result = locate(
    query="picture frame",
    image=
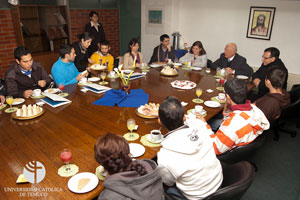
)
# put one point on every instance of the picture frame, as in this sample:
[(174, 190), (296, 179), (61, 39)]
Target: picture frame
[(260, 22), (155, 16)]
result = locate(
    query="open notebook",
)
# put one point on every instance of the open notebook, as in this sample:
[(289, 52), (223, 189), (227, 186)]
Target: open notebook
[(135, 75), (54, 100), (96, 88)]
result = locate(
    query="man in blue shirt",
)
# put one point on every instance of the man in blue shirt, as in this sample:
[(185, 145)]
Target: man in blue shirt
[(64, 70)]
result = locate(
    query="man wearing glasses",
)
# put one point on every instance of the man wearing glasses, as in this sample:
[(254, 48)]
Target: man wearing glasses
[(270, 58)]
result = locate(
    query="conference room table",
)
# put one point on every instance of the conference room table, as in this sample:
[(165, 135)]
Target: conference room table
[(76, 126)]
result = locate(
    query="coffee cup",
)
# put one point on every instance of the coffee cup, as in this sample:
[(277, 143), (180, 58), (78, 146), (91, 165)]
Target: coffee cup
[(102, 171), (221, 96), (37, 92), (207, 70), (198, 109), (156, 135), (112, 73)]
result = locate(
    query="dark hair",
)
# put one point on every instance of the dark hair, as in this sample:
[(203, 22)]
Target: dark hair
[(276, 75), (132, 42), (105, 43), (237, 90), (162, 37), (21, 51), (92, 13), (85, 36), (198, 44), (273, 51), (65, 49), (171, 113), (112, 152)]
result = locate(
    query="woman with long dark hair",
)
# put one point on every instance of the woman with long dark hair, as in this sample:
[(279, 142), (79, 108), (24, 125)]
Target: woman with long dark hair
[(196, 55), (81, 50), (126, 179), (132, 52)]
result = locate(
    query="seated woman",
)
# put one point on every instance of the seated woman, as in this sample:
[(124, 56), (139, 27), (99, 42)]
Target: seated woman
[(197, 55), (2, 94), (132, 52), (82, 55), (126, 179)]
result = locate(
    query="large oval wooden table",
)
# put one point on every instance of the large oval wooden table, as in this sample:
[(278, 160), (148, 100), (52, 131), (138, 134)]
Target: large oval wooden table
[(76, 126)]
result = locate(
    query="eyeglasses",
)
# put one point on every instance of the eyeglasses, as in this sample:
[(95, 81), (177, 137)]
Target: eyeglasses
[(265, 58)]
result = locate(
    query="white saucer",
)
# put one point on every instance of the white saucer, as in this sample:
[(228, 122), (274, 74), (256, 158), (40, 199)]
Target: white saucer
[(242, 77), (177, 64), (212, 104), (73, 182), (202, 113), (136, 150), (196, 68), (155, 142), (155, 65)]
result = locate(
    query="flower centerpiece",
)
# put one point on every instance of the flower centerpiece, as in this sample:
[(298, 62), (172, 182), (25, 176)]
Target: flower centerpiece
[(125, 85)]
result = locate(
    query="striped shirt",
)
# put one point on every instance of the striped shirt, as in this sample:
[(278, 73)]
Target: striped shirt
[(239, 128)]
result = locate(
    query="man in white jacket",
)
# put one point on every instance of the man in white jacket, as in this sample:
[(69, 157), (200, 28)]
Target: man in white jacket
[(187, 157)]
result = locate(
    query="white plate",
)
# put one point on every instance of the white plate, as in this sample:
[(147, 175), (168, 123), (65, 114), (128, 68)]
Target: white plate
[(196, 68), (136, 150), (18, 101), (202, 113), (242, 77), (73, 182), (177, 64), (94, 79), (154, 65), (52, 90), (212, 104), (126, 71), (183, 84), (98, 67), (152, 141), (209, 90)]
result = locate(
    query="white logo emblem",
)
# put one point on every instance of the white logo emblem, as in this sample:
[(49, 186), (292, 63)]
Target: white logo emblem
[(34, 171)]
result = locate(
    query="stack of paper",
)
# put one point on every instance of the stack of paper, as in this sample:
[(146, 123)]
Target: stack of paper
[(96, 88), (54, 100)]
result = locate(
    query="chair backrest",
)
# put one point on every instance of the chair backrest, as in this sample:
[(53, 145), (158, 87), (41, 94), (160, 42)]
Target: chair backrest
[(209, 62), (241, 153), (237, 178)]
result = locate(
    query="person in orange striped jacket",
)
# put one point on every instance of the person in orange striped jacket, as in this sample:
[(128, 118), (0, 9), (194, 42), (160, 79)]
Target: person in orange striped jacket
[(243, 124)]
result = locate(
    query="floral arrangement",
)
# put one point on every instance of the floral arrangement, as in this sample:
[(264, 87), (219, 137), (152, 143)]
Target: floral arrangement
[(121, 74)]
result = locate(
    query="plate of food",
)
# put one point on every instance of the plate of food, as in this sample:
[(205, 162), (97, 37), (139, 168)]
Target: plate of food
[(155, 65), (149, 111), (83, 182), (94, 79), (183, 84), (28, 112), (52, 90), (177, 64), (212, 104), (196, 68), (242, 77), (169, 71), (18, 101), (136, 150), (98, 67)]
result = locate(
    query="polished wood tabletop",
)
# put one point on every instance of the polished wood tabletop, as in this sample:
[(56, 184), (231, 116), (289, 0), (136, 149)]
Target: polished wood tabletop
[(76, 126)]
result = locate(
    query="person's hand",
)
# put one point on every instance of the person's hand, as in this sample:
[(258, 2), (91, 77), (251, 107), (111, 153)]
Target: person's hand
[(2, 99), (229, 70), (169, 47), (200, 117), (27, 93), (256, 81), (90, 61), (79, 76), (42, 83)]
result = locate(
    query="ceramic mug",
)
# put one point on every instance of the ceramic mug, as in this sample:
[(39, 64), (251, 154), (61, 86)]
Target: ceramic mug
[(156, 135), (37, 92)]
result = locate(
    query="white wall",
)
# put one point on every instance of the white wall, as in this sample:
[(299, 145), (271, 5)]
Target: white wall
[(217, 22)]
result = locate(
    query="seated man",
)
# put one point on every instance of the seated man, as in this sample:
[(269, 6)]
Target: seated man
[(187, 157), (270, 58), (63, 70), (2, 94), (102, 56), (25, 75), (273, 102), (243, 123), (233, 62), (163, 51)]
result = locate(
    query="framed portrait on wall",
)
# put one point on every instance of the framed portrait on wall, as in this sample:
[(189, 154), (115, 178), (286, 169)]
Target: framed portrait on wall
[(155, 16), (260, 22)]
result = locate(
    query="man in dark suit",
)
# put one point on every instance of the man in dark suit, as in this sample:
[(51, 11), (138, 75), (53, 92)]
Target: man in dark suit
[(233, 62), (270, 58)]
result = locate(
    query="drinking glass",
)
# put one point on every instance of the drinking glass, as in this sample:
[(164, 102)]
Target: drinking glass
[(131, 126), (218, 71), (61, 87), (198, 93), (102, 76), (9, 101), (66, 156)]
